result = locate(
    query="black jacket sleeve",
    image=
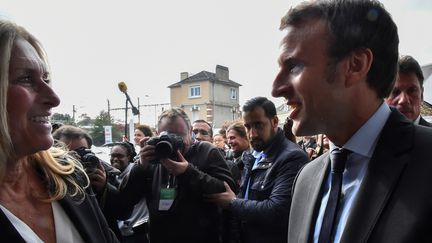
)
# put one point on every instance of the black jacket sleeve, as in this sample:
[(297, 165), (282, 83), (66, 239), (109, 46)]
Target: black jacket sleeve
[(207, 170)]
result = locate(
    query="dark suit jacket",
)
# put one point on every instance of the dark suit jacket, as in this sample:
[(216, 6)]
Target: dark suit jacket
[(423, 122), (394, 202), (86, 217)]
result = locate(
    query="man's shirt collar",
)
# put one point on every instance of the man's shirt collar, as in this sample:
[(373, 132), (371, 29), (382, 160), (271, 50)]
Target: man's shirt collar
[(363, 142)]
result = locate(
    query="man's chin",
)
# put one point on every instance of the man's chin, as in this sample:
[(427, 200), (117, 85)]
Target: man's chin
[(258, 146), (410, 116)]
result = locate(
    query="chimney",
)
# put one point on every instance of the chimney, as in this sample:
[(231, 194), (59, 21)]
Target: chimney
[(222, 73), (184, 75)]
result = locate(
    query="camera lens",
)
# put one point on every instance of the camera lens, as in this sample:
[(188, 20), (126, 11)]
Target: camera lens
[(164, 149)]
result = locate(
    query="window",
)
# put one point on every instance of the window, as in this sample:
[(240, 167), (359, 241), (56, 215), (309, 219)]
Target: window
[(195, 91), (233, 93)]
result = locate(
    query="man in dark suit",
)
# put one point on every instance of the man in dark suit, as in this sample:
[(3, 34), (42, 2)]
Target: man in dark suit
[(338, 63), (407, 93), (264, 199)]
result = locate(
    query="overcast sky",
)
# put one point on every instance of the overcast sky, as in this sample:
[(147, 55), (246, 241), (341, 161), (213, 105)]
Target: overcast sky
[(94, 44)]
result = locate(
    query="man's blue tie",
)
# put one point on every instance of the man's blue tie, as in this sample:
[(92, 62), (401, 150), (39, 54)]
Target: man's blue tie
[(338, 158)]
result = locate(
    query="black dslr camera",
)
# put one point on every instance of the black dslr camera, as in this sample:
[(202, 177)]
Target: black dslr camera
[(88, 159), (166, 146)]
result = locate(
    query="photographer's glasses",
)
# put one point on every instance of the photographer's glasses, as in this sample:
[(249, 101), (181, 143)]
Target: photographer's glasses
[(201, 131), (116, 155)]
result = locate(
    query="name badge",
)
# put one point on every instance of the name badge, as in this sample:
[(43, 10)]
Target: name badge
[(166, 199)]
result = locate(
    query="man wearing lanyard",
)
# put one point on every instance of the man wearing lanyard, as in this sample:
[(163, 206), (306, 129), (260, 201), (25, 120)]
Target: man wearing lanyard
[(264, 200), (174, 186)]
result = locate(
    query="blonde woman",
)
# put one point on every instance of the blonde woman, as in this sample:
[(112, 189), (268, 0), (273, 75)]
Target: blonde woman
[(43, 194)]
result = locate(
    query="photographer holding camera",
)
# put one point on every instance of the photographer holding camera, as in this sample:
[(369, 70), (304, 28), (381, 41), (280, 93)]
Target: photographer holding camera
[(79, 142), (174, 173)]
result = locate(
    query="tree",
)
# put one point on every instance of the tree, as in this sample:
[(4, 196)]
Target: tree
[(98, 132), (62, 118), (85, 120)]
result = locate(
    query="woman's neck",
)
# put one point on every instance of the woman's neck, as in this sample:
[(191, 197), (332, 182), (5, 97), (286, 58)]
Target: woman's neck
[(21, 181)]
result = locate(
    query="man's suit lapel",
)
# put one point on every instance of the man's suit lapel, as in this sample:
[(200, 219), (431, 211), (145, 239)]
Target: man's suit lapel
[(307, 199), (423, 122), (385, 168)]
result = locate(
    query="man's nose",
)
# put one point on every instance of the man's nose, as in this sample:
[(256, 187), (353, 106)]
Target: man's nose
[(281, 85), (403, 98)]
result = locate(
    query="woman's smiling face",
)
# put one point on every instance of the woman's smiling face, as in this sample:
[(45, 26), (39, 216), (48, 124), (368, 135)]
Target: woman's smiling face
[(30, 100)]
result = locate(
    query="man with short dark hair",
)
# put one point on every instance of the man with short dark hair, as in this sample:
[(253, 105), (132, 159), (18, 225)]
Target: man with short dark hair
[(338, 63), (407, 93), (202, 131), (264, 200)]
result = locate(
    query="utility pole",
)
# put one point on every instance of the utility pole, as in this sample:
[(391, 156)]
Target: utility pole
[(109, 109), (139, 115), (155, 109), (73, 113)]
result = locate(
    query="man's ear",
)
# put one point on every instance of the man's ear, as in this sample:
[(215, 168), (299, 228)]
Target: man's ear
[(358, 64), (275, 121)]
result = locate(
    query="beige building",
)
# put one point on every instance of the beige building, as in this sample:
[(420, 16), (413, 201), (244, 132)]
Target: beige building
[(212, 97), (282, 112)]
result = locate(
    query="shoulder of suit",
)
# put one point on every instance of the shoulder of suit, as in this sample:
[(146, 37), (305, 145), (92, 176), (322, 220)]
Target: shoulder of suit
[(317, 164)]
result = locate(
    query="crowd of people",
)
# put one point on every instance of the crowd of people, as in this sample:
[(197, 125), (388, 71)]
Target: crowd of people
[(348, 165)]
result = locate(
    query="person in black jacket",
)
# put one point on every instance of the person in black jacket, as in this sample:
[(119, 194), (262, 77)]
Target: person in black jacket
[(174, 183), (264, 200)]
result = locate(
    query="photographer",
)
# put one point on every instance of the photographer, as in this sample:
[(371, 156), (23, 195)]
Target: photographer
[(79, 142), (174, 183)]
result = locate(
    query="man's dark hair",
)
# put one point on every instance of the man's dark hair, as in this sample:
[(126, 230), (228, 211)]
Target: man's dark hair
[(268, 106), (407, 64), (71, 132), (210, 126), (353, 25)]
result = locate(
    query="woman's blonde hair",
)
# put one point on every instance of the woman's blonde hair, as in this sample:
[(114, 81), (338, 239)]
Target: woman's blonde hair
[(61, 172)]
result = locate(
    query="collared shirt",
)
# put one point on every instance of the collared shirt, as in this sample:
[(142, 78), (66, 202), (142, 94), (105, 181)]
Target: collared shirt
[(259, 156), (362, 145), (417, 121)]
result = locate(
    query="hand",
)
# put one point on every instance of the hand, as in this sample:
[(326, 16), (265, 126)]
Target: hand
[(310, 152), (98, 178), (125, 139), (147, 152), (175, 167), (222, 199), (143, 141)]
